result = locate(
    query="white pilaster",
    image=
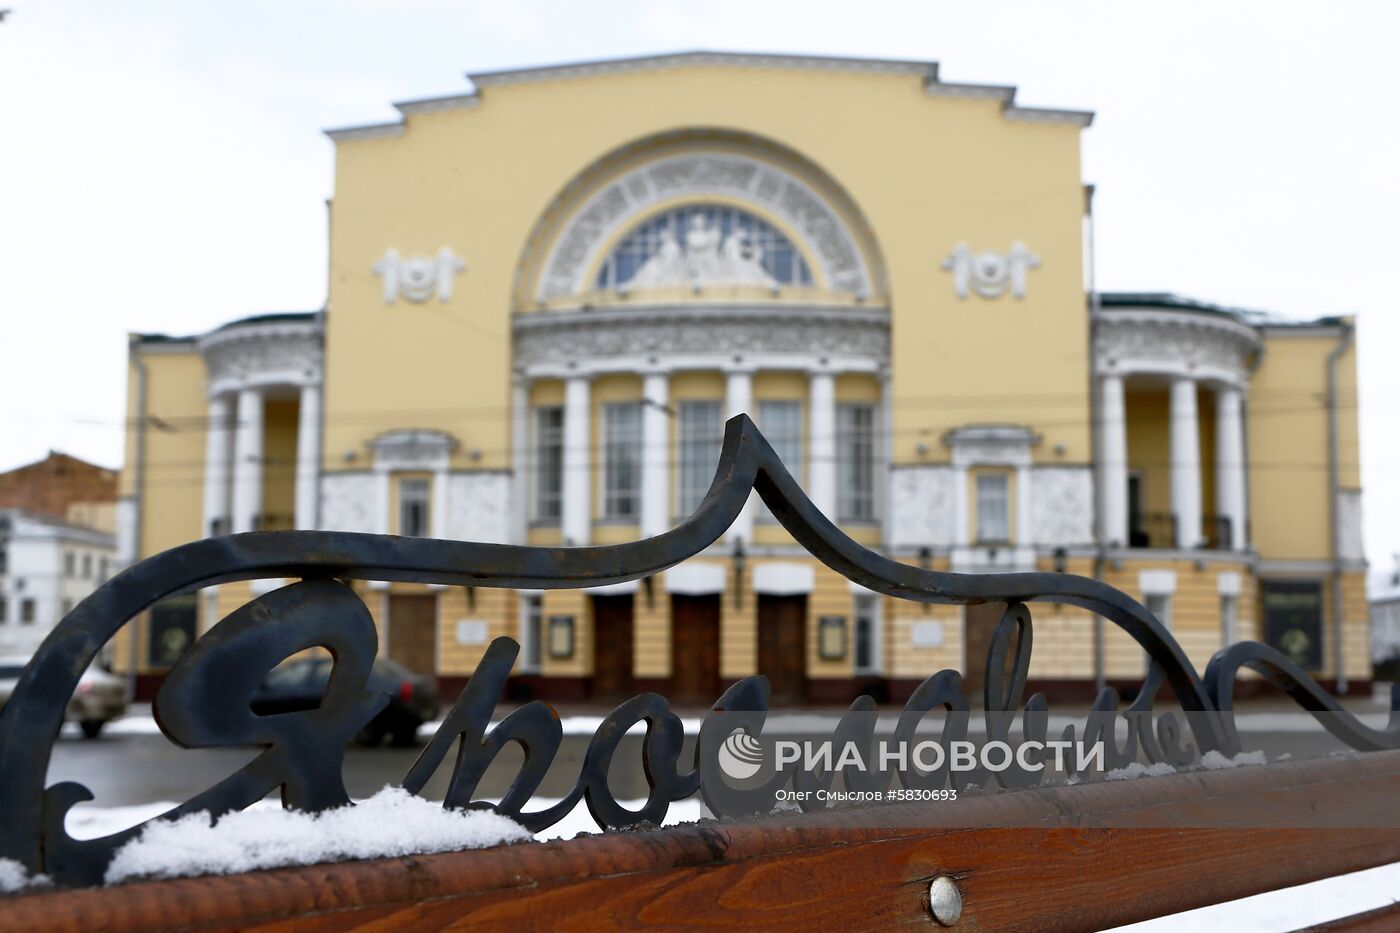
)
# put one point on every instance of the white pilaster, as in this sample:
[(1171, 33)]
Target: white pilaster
[(1113, 466), (519, 460), (216, 463), (576, 520), (248, 461), (654, 455), (821, 442), (1023, 506), (1229, 463), (1186, 463), (738, 399), (308, 471), (884, 478), (441, 502), (382, 498), (961, 509)]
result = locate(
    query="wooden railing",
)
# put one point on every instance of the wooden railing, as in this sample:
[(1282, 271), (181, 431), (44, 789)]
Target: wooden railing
[(1083, 857)]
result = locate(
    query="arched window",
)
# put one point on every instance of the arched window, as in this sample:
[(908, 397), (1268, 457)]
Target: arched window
[(704, 244)]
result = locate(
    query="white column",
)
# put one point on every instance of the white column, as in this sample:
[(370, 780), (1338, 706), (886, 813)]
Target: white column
[(1229, 463), (521, 488), (1113, 468), (821, 442), (577, 515), (247, 460), (1023, 506), (1186, 463), (655, 461), (216, 463), (961, 510), (884, 477), (738, 399), (308, 470)]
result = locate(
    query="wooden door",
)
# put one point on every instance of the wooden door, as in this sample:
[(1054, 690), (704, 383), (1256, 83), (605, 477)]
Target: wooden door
[(782, 646), (612, 646), (695, 649), (413, 631), (979, 625)]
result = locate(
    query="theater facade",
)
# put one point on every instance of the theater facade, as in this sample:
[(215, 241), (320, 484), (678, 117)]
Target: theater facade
[(547, 294)]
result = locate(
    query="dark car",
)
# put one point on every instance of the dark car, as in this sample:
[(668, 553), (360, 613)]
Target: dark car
[(301, 684)]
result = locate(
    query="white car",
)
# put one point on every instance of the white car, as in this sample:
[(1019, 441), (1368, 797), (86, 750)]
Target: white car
[(99, 698)]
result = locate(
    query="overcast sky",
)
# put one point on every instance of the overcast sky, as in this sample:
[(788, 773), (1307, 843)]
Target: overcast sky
[(162, 166)]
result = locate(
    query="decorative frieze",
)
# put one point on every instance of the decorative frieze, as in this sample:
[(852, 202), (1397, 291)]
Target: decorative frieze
[(349, 502), (479, 506), (1062, 506), (926, 497), (1181, 343), (658, 330), (257, 354)]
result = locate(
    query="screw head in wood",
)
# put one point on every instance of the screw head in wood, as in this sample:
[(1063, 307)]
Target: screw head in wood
[(945, 900)]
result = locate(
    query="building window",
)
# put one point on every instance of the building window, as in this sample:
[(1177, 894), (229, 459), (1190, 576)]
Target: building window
[(781, 423), (102, 568), (531, 632), (413, 507), (4, 610), (87, 566), (549, 464), (867, 633), (993, 508), (855, 463), (622, 460), (69, 563), (700, 435), (700, 242), (67, 606), (26, 612)]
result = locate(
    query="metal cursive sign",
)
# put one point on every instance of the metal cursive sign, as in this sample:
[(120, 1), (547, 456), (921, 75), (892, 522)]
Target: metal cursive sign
[(204, 701)]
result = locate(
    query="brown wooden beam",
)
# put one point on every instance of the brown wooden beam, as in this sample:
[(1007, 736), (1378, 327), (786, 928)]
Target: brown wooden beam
[(1049, 859)]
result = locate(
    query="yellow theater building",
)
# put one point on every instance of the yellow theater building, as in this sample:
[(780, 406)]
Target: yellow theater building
[(546, 296)]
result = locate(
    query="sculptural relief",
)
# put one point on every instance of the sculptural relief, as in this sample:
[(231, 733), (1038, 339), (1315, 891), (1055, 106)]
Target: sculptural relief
[(990, 274), (705, 259)]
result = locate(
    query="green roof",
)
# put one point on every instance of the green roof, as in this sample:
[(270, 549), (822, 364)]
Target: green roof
[(272, 317), (1174, 302)]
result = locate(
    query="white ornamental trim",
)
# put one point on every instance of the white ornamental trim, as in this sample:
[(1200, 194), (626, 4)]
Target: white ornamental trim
[(256, 355), (697, 175), (659, 333)]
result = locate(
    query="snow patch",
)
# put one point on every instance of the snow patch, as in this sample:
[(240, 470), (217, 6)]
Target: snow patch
[(15, 877), (1215, 761), (391, 823), (1137, 769)]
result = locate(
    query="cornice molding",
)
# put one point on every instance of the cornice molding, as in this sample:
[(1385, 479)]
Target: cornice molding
[(1175, 343), (256, 355), (659, 331), (567, 71), (672, 60)]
